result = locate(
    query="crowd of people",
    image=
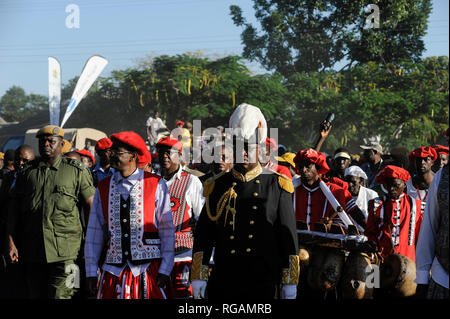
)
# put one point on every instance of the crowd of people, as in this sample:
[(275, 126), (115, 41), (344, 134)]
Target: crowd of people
[(135, 218)]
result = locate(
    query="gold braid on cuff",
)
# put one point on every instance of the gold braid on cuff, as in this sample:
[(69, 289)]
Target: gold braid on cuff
[(199, 271), (289, 276)]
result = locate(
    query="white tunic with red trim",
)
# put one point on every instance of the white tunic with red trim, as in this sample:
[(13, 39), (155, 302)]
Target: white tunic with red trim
[(186, 201), (394, 223)]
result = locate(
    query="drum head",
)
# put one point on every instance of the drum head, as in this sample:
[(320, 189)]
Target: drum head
[(397, 274), (390, 271)]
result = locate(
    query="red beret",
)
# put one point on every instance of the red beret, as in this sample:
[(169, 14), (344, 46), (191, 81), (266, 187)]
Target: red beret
[(440, 149), (391, 171), (87, 154), (145, 159), (271, 143), (179, 122), (422, 152), (314, 157), (169, 142), (135, 141), (103, 144)]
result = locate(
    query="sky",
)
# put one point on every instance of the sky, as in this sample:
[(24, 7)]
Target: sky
[(125, 31)]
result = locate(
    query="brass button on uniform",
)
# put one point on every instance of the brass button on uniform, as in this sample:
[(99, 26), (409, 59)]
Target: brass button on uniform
[(252, 222), (250, 236), (231, 237), (255, 194), (255, 207), (234, 183), (248, 250), (231, 223), (257, 181), (233, 252)]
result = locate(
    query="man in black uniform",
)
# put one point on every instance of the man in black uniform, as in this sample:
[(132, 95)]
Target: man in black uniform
[(248, 217)]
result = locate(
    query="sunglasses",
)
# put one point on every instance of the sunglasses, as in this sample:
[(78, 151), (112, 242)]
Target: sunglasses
[(114, 152)]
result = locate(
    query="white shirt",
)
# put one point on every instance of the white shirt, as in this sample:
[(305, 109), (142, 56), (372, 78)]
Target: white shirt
[(96, 235), (412, 191), (420, 194), (425, 257), (155, 125), (195, 200), (362, 201), (156, 122)]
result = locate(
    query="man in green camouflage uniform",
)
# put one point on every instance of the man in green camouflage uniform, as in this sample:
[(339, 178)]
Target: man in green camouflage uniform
[(43, 219)]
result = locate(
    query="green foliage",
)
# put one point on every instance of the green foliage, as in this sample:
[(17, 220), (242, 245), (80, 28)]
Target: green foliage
[(185, 87), (15, 105), (406, 104), (303, 36)]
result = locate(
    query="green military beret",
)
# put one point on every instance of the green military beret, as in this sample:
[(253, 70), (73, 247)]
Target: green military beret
[(50, 130)]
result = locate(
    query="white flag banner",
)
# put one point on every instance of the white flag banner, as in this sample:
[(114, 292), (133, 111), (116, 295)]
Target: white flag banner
[(54, 90), (94, 66)]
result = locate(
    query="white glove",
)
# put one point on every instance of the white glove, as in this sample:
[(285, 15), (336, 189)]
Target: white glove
[(289, 291), (198, 288)]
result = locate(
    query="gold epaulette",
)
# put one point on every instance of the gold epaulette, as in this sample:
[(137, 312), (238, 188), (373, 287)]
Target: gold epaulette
[(208, 185), (285, 182)]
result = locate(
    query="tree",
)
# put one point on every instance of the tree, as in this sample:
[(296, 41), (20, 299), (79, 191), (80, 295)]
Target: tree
[(15, 105), (36, 103), (12, 102), (406, 104), (303, 36)]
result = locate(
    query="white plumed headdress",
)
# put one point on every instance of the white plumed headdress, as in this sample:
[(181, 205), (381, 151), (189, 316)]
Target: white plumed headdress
[(251, 122)]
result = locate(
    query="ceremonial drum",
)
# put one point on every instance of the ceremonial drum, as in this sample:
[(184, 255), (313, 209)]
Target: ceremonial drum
[(325, 268), (397, 275), (358, 278)]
